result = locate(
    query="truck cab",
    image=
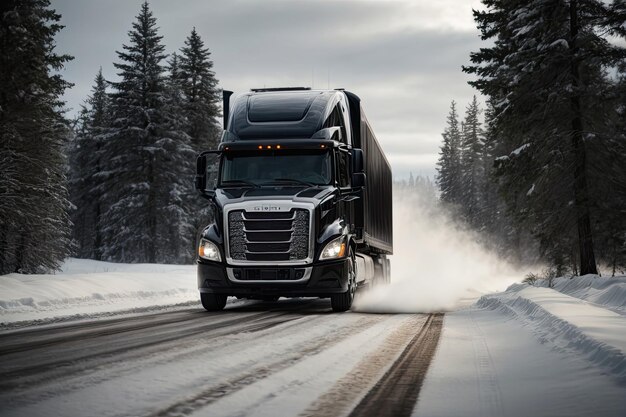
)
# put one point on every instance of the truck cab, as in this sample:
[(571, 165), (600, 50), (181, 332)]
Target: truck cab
[(301, 195)]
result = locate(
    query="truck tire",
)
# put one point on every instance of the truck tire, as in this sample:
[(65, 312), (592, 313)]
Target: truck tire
[(343, 302), (379, 273), (213, 302)]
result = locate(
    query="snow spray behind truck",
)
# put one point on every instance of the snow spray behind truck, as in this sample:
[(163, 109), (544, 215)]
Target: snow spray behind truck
[(301, 196)]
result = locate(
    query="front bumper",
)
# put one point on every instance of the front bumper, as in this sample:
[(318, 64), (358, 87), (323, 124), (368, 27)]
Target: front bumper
[(317, 280)]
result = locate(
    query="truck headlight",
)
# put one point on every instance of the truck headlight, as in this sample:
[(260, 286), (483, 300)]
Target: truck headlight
[(209, 250), (334, 249)]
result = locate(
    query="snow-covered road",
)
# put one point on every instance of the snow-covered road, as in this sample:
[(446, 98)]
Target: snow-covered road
[(265, 359), (296, 358), (105, 339), (488, 365)]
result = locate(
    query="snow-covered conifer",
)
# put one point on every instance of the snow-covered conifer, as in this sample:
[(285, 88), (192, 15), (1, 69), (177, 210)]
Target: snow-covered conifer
[(176, 161), (130, 228), (202, 99), (449, 163), (543, 73), (201, 93), (471, 165), (86, 174), (34, 222)]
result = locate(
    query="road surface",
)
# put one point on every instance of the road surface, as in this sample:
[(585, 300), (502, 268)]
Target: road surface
[(292, 357)]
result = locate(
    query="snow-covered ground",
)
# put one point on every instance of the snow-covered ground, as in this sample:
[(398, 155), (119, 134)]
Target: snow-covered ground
[(609, 292), (491, 365), (85, 287), (533, 350), (529, 350), (567, 323)]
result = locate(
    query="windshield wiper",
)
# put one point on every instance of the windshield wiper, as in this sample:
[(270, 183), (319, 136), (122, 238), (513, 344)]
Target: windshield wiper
[(293, 181), (241, 182)]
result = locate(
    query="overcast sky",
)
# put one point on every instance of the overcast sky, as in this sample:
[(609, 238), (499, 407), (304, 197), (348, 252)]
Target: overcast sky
[(403, 58)]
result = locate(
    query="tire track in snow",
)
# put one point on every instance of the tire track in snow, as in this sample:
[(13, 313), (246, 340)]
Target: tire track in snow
[(35, 338), (30, 378), (21, 369), (395, 392), (80, 319), (205, 397)]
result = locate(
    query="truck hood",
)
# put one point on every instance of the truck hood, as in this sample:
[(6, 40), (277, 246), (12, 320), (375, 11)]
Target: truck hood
[(225, 196)]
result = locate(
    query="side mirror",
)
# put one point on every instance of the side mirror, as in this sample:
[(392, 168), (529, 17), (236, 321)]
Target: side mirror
[(358, 168), (358, 180), (207, 172), (200, 180), (357, 160)]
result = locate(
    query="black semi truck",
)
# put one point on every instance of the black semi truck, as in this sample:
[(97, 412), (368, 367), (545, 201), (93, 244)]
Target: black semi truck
[(301, 196)]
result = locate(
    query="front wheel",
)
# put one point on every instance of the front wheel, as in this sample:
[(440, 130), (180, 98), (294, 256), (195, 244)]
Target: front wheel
[(213, 302), (343, 302)]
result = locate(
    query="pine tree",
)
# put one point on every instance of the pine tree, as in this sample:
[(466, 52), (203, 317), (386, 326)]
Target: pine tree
[(543, 74), (130, 152), (202, 100), (471, 164), (500, 232), (77, 181), (449, 164), (34, 223), (149, 156), (176, 162), (428, 190), (86, 178), (489, 210), (607, 150), (202, 97)]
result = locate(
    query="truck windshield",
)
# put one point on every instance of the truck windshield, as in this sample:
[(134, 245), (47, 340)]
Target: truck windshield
[(273, 167)]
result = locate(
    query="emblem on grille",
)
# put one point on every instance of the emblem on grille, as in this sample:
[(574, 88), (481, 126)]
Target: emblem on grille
[(266, 208)]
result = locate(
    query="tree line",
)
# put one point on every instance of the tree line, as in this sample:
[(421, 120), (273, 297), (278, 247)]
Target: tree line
[(135, 147), (540, 169), (115, 184), (544, 171)]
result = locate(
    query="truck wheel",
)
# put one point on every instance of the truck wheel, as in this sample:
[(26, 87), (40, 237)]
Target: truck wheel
[(343, 301), (213, 302), (379, 271)]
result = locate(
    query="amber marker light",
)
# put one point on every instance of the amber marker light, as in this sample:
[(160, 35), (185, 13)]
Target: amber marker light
[(209, 250), (260, 147), (269, 147), (277, 146), (342, 251), (323, 146), (334, 249)]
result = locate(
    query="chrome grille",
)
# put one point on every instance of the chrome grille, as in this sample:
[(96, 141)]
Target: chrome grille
[(268, 236)]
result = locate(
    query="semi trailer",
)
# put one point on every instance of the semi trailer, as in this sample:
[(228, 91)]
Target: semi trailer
[(301, 194)]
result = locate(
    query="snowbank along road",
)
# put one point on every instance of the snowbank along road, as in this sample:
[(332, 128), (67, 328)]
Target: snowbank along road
[(265, 359)]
